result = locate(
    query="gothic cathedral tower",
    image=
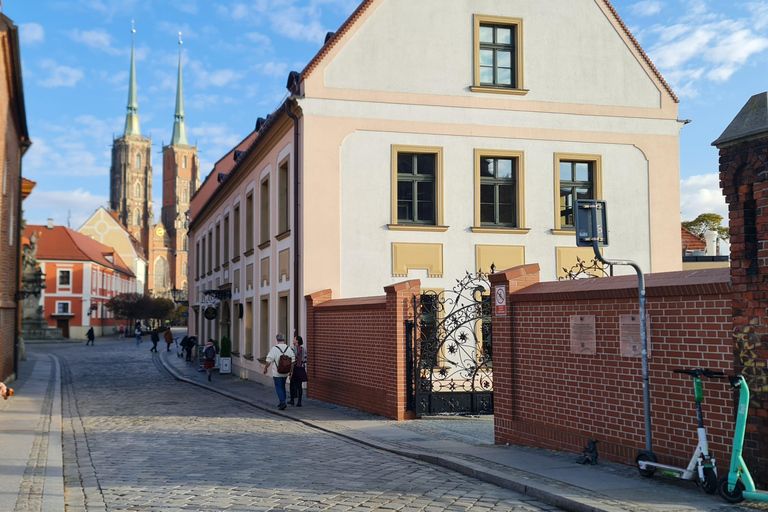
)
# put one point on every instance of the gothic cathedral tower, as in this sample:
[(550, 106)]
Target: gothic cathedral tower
[(131, 173), (181, 178)]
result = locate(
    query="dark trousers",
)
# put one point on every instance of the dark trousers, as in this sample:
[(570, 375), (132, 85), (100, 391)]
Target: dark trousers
[(154, 347), (296, 390)]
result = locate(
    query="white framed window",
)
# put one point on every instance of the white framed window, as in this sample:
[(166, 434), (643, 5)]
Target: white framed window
[(65, 278), (63, 307)]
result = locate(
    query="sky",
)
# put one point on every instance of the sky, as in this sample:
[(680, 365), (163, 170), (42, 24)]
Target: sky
[(236, 58)]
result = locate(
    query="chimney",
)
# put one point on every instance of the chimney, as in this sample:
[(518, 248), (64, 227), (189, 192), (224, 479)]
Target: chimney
[(711, 238), (50, 223)]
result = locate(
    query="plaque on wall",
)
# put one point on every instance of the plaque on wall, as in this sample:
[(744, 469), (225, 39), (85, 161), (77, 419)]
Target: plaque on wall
[(583, 335), (210, 313), (629, 335)]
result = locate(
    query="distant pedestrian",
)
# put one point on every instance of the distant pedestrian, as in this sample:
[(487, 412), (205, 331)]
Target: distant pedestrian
[(168, 335), (90, 336), (279, 378), (121, 336), (186, 345), (299, 375), (209, 356), (5, 392), (155, 337), (137, 332)]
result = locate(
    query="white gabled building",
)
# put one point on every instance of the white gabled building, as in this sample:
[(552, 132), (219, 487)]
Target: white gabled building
[(429, 142)]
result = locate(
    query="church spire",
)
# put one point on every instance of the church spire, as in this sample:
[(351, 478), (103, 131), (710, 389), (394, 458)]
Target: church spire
[(179, 129), (132, 116)]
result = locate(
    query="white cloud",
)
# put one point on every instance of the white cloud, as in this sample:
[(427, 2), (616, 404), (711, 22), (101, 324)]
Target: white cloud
[(58, 75), (187, 6), (701, 194), (97, 39), (76, 205), (647, 8), (31, 33), (273, 69), (217, 78)]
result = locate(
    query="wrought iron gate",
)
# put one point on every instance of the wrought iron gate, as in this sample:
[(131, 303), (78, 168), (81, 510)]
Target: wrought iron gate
[(453, 351)]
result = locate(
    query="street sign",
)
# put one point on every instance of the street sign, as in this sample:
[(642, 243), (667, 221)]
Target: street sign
[(591, 223), (185, 314), (500, 300)]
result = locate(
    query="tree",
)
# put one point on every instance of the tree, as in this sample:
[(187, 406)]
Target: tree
[(140, 307), (707, 222)]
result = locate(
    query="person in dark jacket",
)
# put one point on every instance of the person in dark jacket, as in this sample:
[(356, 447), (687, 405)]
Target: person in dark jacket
[(299, 375), (209, 355), (90, 336), (168, 335), (155, 337)]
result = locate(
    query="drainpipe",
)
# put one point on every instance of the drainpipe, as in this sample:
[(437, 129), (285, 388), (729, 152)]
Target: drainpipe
[(296, 224)]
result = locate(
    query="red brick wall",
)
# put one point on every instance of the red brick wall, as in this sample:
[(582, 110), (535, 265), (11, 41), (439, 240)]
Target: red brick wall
[(547, 396), (356, 349)]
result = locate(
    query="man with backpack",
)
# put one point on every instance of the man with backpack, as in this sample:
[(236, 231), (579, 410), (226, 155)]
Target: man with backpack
[(281, 358)]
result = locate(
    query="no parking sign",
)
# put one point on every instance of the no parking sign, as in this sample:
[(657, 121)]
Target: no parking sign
[(500, 300)]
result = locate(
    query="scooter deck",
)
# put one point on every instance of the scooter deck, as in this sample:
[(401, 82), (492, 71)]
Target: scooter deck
[(666, 469)]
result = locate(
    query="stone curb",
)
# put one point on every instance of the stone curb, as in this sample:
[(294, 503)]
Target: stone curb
[(535, 490)]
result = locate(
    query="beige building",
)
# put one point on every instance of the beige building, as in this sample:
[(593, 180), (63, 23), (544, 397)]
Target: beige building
[(425, 142)]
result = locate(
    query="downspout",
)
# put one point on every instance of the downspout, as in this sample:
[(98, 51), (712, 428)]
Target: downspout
[(296, 224)]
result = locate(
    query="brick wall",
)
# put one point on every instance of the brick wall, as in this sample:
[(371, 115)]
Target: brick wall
[(356, 349), (548, 396), (742, 177)]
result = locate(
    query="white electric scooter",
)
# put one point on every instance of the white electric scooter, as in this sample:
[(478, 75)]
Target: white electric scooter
[(702, 465)]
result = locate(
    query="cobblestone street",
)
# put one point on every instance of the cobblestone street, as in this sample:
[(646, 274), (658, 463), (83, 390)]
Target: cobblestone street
[(136, 439)]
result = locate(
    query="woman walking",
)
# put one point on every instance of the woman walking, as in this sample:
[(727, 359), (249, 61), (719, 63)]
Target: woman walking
[(209, 354), (299, 376)]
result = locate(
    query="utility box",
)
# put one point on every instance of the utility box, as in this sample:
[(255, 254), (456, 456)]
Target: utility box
[(591, 223)]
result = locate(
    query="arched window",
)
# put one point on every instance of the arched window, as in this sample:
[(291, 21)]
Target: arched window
[(138, 160), (184, 243), (185, 161), (137, 190), (137, 218), (161, 273), (184, 287), (184, 194), (184, 269)]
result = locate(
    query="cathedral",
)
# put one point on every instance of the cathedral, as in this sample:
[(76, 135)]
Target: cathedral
[(130, 198)]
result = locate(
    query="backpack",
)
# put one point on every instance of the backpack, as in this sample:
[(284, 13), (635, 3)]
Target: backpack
[(209, 353), (284, 362)]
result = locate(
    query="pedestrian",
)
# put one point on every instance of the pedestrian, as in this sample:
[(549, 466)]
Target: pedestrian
[(155, 337), (209, 355), (273, 358), (5, 391), (121, 336), (299, 375), (90, 336), (168, 335), (137, 332), (186, 345)]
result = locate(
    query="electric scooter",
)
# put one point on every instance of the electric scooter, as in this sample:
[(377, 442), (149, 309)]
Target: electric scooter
[(702, 465), (738, 483)]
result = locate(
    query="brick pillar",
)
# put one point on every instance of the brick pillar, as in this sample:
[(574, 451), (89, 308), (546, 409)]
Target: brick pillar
[(511, 280), (312, 301), (400, 307), (743, 175)]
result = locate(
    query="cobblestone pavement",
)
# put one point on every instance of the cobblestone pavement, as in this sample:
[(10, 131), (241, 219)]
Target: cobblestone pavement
[(136, 439)]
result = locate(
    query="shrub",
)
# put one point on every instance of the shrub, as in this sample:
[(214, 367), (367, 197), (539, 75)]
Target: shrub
[(226, 347)]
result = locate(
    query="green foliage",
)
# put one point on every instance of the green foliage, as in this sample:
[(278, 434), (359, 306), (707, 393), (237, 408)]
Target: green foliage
[(134, 306), (707, 222), (226, 347)]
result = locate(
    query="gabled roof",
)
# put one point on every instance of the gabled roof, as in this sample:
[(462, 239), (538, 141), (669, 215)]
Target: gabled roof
[(333, 40), (692, 242), (751, 120), (62, 243)]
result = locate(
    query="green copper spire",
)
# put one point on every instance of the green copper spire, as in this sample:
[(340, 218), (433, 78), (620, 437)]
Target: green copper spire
[(132, 117), (179, 129)]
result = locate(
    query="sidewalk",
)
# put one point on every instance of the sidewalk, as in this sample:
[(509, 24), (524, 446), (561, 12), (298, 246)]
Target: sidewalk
[(465, 445)]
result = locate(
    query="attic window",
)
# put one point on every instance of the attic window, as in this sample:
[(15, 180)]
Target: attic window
[(498, 55)]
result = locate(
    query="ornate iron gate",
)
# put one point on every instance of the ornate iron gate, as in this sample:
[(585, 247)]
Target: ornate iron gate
[(454, 350)]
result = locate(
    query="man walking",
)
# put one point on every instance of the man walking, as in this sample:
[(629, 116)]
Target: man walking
[(281, 359), (155, 337), (90, 335)]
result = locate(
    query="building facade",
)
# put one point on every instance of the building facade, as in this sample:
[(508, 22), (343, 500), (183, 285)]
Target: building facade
[(81, 275), (389, 163), (15, 138)]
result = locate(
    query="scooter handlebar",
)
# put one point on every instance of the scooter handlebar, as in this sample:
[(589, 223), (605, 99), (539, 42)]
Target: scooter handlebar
[(698, 372)]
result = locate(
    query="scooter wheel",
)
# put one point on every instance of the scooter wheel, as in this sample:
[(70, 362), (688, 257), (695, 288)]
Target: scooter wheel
[(735, 496), (645, 472), (710, 481)]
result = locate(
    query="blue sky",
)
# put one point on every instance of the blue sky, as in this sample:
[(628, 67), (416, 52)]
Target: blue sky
[(237, 55)]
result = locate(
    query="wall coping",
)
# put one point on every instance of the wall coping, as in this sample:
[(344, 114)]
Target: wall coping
[(711, 281), (402, 286), (514, 273), (355, 303)]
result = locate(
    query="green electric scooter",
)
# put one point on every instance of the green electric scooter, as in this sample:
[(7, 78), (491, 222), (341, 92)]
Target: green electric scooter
[(738, 483), (701, 468)]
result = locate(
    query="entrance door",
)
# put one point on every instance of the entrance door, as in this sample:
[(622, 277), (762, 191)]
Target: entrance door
[(63, 324)]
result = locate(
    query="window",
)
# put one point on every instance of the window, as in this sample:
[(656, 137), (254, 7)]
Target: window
[(264, 326), (226, 239), (283, 199), (417, 186), (282, 315), (236, 232), (138, 160), (250, 341), (62, 307), (184, 162), (161, 273), (65, 278), (218, 245), (202, 257), (184, 269), (498, 55), (197, 260), (576, 177), (184, 193), (137, 190), (210, 251), (137, 218), (236, 327), (264, 212), (184, 242), (249, 222), (499, 190)]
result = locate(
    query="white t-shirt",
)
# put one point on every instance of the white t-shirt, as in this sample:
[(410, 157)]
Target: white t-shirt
[(275, 353)]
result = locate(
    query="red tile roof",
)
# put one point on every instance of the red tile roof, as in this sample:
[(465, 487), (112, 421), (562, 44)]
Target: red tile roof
[(330, 43), (692, 242), (61, 243)]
